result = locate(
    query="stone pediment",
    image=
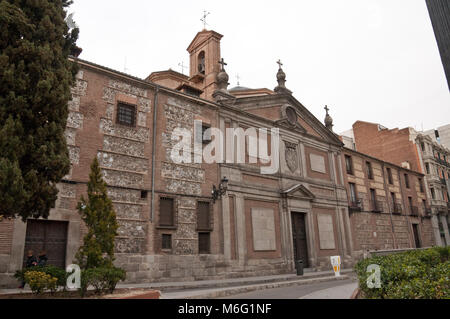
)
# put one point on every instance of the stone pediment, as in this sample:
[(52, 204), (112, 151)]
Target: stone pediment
[(299, 191), (292, 126)]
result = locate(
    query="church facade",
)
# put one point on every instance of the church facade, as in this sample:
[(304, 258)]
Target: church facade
[(182, 220)]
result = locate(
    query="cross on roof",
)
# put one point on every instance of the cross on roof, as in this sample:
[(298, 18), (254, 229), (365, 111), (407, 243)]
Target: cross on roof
[(205, 14), (279, 63), (326, 108), (238, 79), (181, 64), (222, 62)]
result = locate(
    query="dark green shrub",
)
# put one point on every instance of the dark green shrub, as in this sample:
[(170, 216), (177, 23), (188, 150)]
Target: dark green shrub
[(103, 279), (414, 274)]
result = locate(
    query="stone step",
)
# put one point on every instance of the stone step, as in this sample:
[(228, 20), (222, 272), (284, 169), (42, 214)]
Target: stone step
[(234, 282)]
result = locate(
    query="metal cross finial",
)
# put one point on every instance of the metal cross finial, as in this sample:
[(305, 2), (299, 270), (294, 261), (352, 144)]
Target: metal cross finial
[(182, 67), (279, 63), (326, 108), (205, 14), (222, 62), (238, 79)]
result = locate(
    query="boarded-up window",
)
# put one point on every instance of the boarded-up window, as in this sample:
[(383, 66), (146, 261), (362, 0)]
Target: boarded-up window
[(203, 216), (166, 211), (166, 241), (204, 243)]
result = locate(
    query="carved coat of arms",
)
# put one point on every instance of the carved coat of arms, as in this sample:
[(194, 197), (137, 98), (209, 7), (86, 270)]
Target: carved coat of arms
[(291, 156)]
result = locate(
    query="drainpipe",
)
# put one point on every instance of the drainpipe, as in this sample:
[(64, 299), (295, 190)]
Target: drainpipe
[(388, 200), (155, 108), (406, 202)]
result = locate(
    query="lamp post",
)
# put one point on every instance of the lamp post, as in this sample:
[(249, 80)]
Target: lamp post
[(217, 193)]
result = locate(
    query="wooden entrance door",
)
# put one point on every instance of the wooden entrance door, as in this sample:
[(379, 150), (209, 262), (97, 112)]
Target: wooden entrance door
[(416, 235), (299, 238), (50, 236)]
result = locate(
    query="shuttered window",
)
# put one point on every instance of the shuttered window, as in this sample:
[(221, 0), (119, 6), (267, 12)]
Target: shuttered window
[(166, 211), (204, 243), (203, 216)]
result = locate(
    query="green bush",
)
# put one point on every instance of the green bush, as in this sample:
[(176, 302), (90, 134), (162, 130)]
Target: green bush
[(103, 279), (40, 281), (416, 274), (60, 274)]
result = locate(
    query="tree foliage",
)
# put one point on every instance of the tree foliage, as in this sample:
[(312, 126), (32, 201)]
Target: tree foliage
[(98, 214), (35, 81)]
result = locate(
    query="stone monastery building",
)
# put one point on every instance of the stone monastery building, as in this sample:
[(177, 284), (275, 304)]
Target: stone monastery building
[(322, 200)]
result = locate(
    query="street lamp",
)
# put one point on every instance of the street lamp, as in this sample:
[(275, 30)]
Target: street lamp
[(222, 190)]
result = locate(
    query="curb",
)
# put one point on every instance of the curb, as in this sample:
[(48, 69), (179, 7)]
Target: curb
[(243, 289), (355, 294)]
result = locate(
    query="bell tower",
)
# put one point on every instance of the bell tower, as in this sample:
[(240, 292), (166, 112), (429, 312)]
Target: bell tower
[(205, 56)]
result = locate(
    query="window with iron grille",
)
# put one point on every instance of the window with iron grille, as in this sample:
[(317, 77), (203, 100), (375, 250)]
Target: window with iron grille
[(349, 164), (166, 241), (369, 170), (203, 216), (204, 243), (126, 114), (166, 212)]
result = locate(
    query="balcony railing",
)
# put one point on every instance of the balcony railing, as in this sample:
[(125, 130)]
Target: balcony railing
[(356, 205), (414, 211), (448, 205), (427, 210), (376, 206), (397, 208)]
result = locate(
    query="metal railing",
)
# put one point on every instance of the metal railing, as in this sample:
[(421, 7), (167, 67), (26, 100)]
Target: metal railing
[(397, 208), (376, 206), (414, 211), (355, 205)]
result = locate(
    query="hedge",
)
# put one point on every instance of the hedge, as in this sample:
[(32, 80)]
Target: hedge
[(416, 274)]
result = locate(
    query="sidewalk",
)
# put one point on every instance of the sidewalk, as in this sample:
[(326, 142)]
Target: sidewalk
[(340, 292), (222, 287)]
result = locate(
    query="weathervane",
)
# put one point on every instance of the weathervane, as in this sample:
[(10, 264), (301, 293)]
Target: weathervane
[(238, 77), (205, 14), (181, 64)]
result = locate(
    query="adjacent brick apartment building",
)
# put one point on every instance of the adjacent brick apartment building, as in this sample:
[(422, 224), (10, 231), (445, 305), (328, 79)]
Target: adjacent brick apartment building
[(171, 228), (411, 149), (388, 205)]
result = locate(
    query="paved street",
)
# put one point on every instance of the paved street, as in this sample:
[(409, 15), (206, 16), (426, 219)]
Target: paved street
[(312, 291)]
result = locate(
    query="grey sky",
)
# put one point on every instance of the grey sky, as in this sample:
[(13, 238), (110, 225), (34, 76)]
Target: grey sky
[(369, 60)]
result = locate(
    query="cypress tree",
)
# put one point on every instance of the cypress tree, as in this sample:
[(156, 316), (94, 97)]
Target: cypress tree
[(35, 81), (98, 215)]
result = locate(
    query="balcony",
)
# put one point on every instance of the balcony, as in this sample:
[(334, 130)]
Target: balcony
[(397, 208), (448, 205), (376, 206), (356, 205), (427, 210), (414, 211)]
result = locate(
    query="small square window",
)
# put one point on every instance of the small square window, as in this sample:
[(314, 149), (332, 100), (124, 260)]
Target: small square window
[(166, 242), (126, 114), (144, 194)]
